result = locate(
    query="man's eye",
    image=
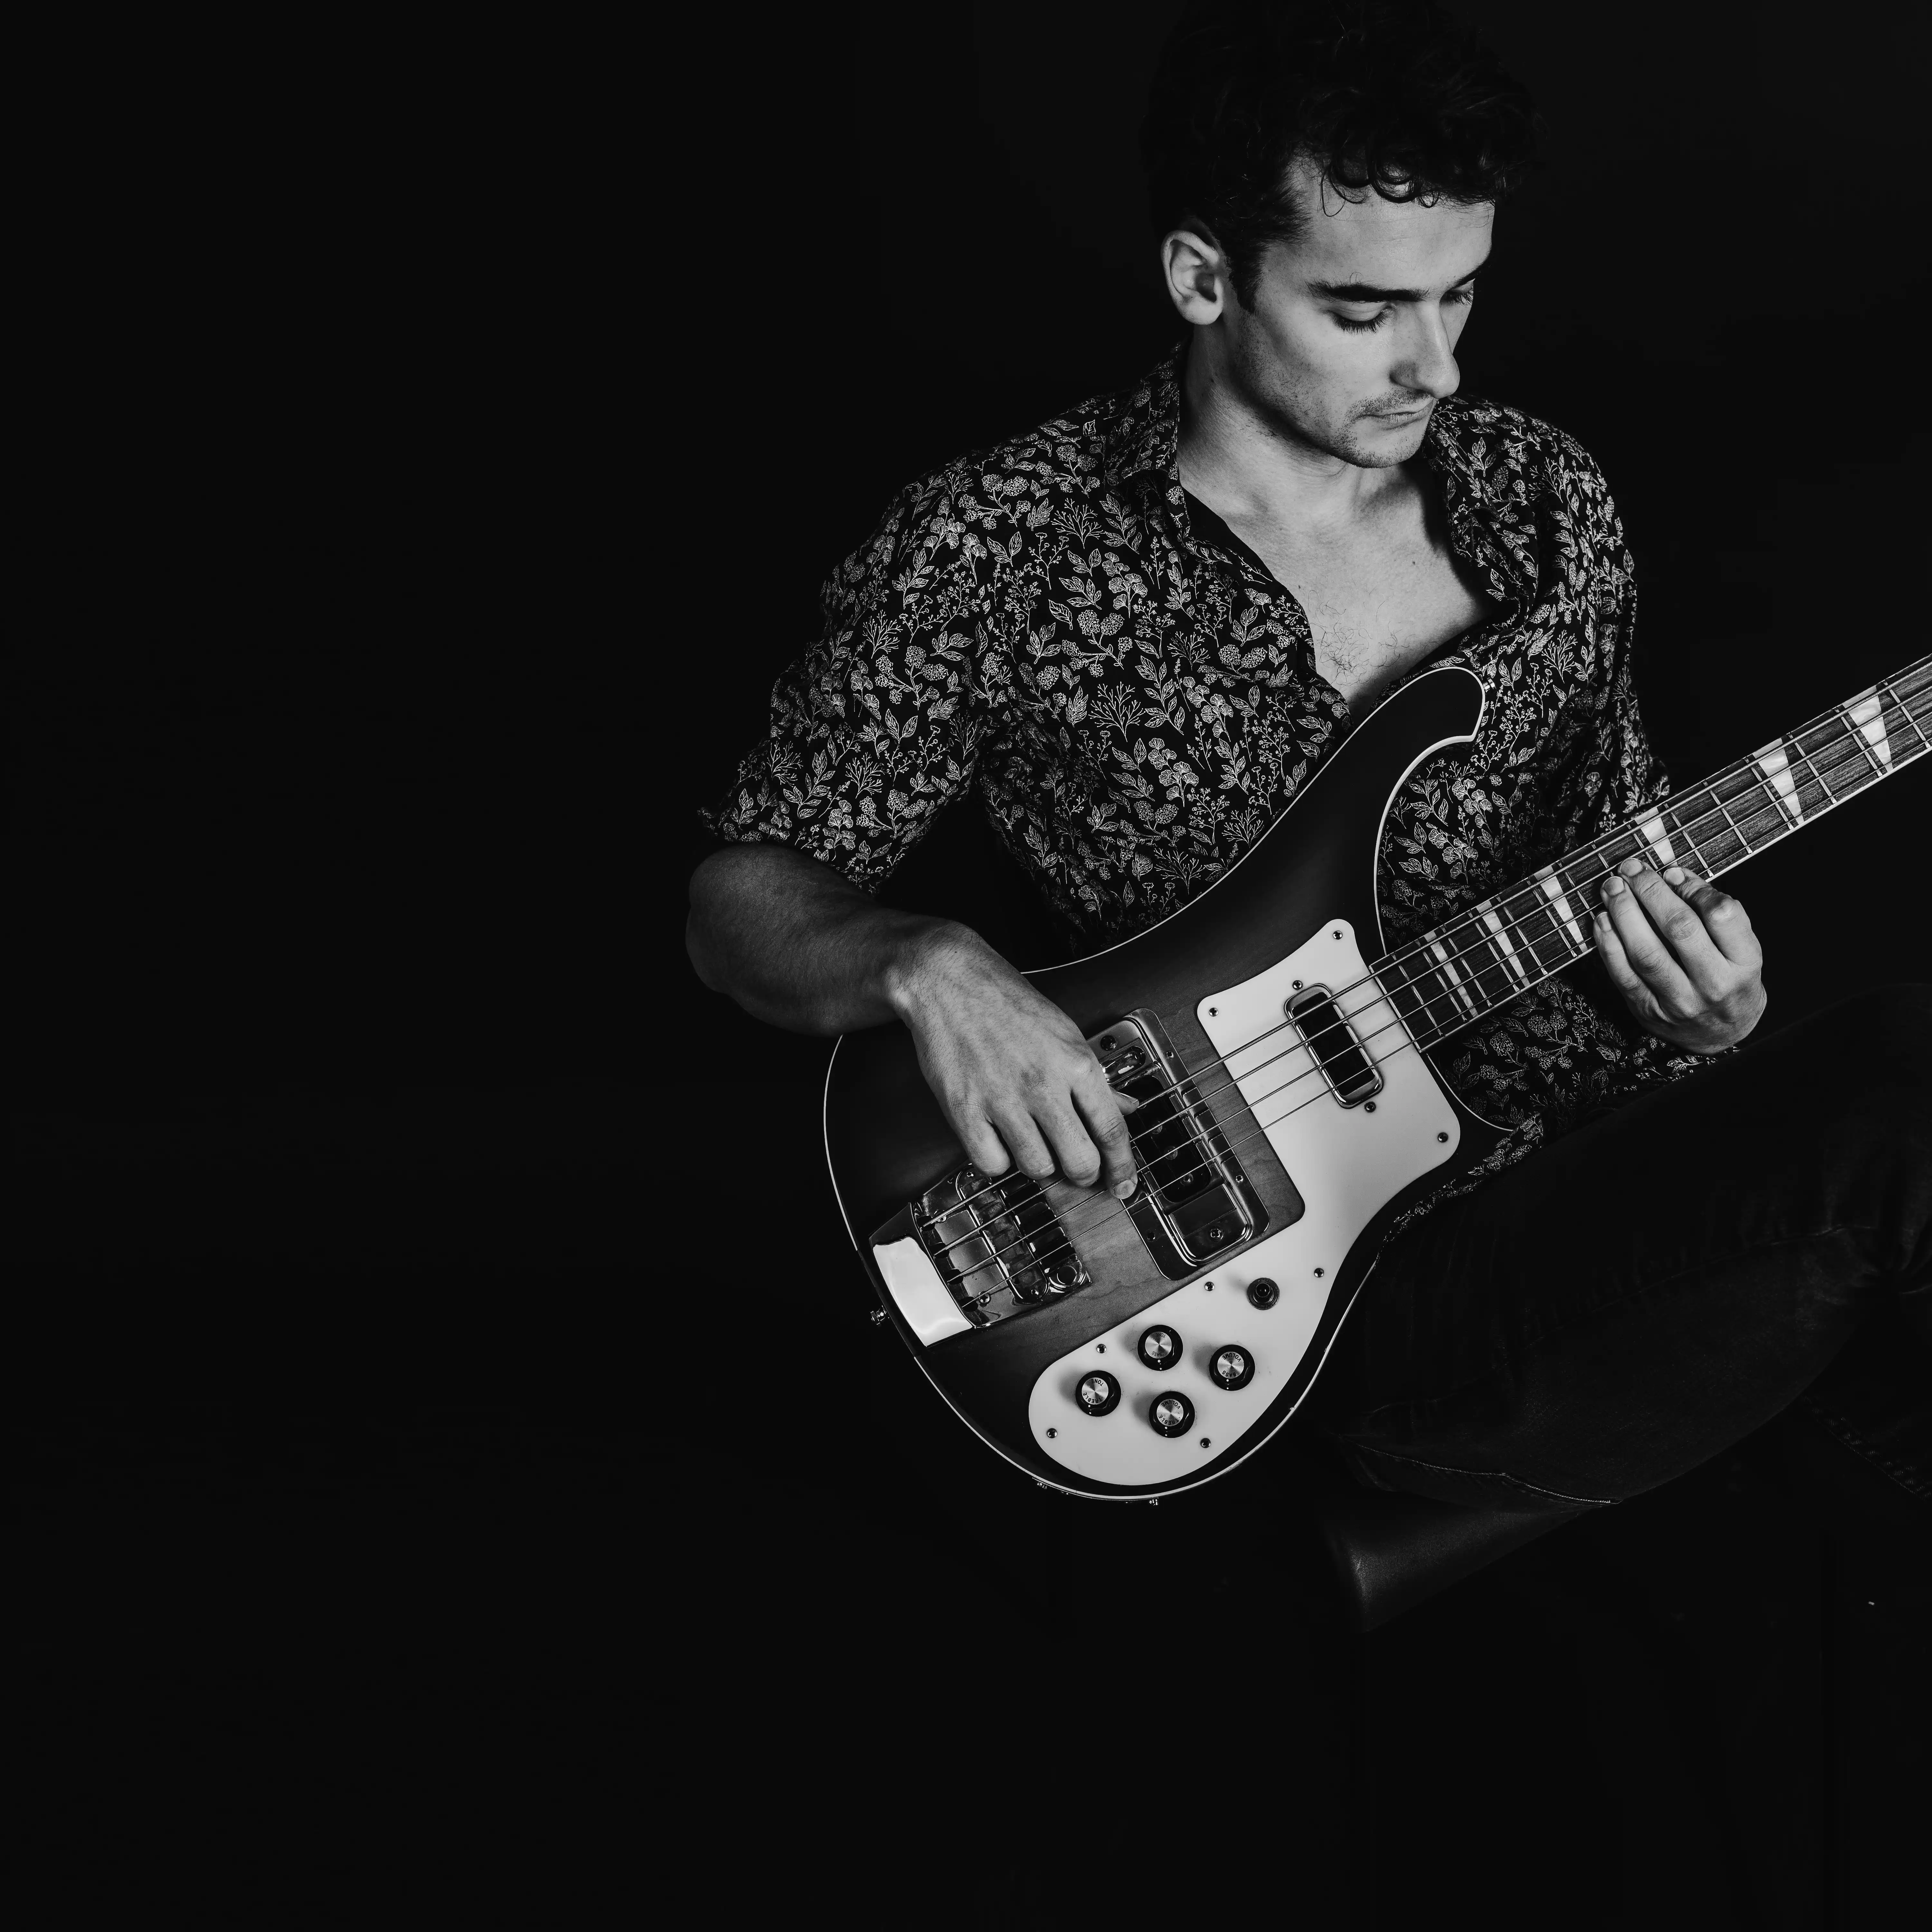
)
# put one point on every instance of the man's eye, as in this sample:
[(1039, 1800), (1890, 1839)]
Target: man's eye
[(1363, 328), (1461, 295)]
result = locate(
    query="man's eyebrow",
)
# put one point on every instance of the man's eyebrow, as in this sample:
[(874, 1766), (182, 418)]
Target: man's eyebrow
[(1363, 291)]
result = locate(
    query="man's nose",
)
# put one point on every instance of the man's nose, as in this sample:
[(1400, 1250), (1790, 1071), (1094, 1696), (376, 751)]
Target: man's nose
[(1426, 364)]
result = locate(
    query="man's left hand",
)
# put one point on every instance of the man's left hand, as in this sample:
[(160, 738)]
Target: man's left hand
[(1683, 956)]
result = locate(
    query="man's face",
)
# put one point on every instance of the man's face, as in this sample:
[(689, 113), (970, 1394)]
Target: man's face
[(1352, 339)]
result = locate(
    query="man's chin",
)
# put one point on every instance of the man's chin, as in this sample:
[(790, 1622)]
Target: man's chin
[(1373, 442)]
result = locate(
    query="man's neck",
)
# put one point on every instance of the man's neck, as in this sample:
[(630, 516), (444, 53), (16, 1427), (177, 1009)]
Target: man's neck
[(1248, 468)]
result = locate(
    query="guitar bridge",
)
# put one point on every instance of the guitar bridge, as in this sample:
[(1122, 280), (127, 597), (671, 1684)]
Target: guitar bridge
[(1194, 1203), (996, 1244), (974, 1249)]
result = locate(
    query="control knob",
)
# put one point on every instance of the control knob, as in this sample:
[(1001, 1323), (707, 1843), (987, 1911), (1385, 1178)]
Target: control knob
[(1233, 1368), (1159, 1347), (1171, 1415), (1099, 1393)]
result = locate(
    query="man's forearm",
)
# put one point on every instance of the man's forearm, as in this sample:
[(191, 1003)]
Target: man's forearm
[(796, 944)]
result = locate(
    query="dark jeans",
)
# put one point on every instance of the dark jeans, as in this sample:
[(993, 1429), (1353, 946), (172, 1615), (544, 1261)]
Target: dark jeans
[(1636, 1297)]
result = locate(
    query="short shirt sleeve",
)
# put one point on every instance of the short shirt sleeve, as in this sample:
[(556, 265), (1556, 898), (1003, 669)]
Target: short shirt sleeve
[(881, 723)]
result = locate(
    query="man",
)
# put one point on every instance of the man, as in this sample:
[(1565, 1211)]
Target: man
[(1137, 631)]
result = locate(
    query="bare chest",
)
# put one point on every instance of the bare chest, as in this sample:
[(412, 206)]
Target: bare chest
[(1377, 604)]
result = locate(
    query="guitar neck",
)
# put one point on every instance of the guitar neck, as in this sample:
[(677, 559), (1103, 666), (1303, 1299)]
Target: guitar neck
[(1451, 977)]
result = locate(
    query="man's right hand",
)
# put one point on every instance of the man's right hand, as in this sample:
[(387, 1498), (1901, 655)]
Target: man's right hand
[(1018, 1085), (798, 944)]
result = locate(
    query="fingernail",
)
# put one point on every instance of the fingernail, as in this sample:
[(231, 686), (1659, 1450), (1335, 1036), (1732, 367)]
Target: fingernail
[(1631, 868), (1612, 886), (1123, 1189), (1673, 875)]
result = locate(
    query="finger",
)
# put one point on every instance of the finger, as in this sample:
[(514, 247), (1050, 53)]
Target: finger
[(1727, 921), (1024, 1141), (984, 1147), (1676, 923), (1100, 1108), (1650, 958), (1616, 962), (1074, 1152)]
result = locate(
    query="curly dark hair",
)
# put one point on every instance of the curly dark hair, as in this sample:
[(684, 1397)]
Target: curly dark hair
[(1392, 95)]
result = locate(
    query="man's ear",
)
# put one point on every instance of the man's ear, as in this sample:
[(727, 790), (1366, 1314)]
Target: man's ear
[(1196, 273)]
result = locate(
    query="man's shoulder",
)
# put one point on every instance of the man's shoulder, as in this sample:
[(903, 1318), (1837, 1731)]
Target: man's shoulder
[(1509, 448), (971, 514), (1094, 449), (1066, 456)]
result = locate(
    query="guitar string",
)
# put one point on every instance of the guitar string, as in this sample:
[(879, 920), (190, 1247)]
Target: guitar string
[(1191, 1151), (1482, 937), (1252, 1138), (1769, 812)]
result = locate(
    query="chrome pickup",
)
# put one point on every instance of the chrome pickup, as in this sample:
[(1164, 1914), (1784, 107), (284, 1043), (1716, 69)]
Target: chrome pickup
[(1194, 1203), (998, 1245)]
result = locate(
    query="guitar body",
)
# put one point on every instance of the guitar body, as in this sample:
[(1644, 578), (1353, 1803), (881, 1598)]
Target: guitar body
[(1308, 1159), (1286, 1110)]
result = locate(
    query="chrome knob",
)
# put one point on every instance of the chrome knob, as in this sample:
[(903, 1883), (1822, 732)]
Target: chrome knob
[(1099, 1393), (1232, 1368), (1159, 1347), (1171, 1415)]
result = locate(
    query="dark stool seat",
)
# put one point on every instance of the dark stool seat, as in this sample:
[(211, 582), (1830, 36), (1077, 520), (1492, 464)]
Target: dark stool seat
[(1385, 1552)]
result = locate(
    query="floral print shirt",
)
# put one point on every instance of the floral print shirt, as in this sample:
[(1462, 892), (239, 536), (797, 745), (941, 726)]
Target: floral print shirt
[(1135, 700)]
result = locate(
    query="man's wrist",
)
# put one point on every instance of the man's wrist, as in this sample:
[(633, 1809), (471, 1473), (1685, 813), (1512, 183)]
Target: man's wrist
[(912, 953)]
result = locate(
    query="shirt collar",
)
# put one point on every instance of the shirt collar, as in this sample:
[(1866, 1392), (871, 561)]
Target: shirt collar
[(1144, 439), (1489, 500), (1491, 517)]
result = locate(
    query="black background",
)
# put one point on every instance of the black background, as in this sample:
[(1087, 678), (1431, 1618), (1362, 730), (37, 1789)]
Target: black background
[(444, 438)]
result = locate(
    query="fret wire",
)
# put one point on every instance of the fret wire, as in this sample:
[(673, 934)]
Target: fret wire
[(1573, 888), (1519, 926), (1733, 824), (1716, 805), (1817, 777), (1830, 797), (1447, 992), (1905, 710), (1767, 808), (1555, 928), (1418, 1000), (1433, 971), (1507, 982), (1552, 930), (1697, 850), (1851, 733), (1522, 929), (1871, 757)]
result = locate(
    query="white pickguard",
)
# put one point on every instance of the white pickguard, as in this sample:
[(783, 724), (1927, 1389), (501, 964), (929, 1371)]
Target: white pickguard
[(1346, 1162)]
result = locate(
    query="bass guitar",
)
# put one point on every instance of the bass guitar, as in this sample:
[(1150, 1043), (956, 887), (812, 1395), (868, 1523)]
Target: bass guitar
[(1289, 1108)]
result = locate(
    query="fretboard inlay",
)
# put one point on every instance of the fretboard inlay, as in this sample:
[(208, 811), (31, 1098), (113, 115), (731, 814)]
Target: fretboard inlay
[(1487, 955)]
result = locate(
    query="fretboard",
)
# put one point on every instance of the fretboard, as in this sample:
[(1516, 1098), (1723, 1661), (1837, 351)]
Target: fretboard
[(1475, 962)]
